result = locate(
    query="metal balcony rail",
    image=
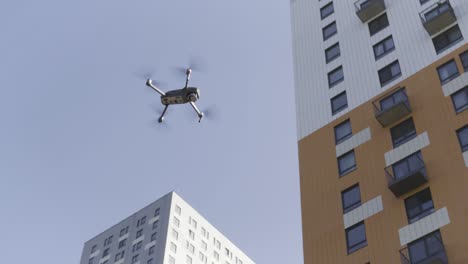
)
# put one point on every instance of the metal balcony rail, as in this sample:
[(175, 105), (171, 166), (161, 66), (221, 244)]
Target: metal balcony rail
[(438, 16), (407, 174), (391, 107), (367, 9), (435, 255)]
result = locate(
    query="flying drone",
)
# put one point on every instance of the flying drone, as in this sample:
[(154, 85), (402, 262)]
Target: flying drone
[(181, 96)]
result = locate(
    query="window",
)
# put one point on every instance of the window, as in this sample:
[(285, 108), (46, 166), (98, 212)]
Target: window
[(389, 73), (419, 205), (176, 221), (151, 250), (403, 132), (339, 103), (155, 224), (193, 223), (407, 166), (204, 245), (139, 233), (93, 249), (447, 71), (135, 259), (188, 260), (351, 198), (171, 260), (393, 99), (175, 235), (191, 234), (153, 236), (119, 255), (384, 47), (122, 243), (123, 231), (460, 100), (343, 131), (336, 76), (190, 247), (91, 260), (464, 60), (332, 52), (105, 253), (156, 212), (108, 241), (173, 248), (447, 39), (137, 246), (356, 237), (329, 30), (426, 247), (437, 11), (150, 261), (178, 210), (141, 221), (423, 1), (378, 24), (326, 10), (462, 134), (346, 163), (216, 255)]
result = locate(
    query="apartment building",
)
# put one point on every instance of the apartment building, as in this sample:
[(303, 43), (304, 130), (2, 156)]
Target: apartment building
[(168, 231), (381, 98)]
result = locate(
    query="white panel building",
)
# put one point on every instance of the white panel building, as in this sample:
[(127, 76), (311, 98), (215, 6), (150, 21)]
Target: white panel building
[(168, 231)]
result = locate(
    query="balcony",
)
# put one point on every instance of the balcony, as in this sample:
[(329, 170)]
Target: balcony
[(438, 16), (407, 174), (367, 9), (392, 107), (427, 250)]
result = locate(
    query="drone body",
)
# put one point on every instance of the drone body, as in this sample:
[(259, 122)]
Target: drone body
[(181, 96)]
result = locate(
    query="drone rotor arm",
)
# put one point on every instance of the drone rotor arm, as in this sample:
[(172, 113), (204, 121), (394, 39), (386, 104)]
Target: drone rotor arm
[(199, 113), (150, 84)]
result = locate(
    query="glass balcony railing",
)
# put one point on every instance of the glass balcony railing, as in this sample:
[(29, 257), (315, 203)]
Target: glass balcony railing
[(392, 107), (427, 250), (407, 174), (367, 9), (438, 16)]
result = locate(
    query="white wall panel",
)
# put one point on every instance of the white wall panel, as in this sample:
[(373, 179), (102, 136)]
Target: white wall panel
[(456, 84), (353, 142), (406, 149), (414, 50), (363, 212)]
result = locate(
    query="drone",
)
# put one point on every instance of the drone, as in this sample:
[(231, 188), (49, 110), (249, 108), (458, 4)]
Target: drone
[(181, 96)]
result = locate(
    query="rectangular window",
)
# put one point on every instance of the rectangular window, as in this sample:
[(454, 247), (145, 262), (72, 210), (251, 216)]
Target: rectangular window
[(378, 24), (419, 205), (464, 60), (460, 100), (178, 210), (339, 103), (151, 250), (150, 261), (122, 243), (447, 39), (336, 76), (332, 52), (173, 248), (424, 248), (93, 249), (171, 260), (408, 166), (91, 260), (135, 259), (156, 212), (124, 231), (188, 260), (389, 73), (139, 233), (447, 71), (356, 237), (137, 246), (384, 47), (437, 11), (155, 225), (176, 221), (351, 198), (154, 236), (462, 134), (105, 253), (329, 30), (346, 163), (326, 10), (343, 131), (423, 1), (403, 132)]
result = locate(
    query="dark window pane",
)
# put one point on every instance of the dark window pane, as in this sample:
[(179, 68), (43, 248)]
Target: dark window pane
[(448, 71), (335, 76), (339, 103), (356, 237), (460, 100), (378, 24), (326, 10), (383, 47), (329, 31), (351, 198), (405, 167), (447, 39), (464, 59), (419, 205), (389, 72), (346, 163), (393, 99), (417, 251), (343, 131), (463, 138), (332, 53), (403, 132)]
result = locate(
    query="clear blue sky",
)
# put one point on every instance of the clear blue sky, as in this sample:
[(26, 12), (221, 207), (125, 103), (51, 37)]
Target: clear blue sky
[(79, 147)]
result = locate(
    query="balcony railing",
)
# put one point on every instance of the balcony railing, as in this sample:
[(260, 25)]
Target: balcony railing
[(392, 107), (436, 255), (367, 9), (438, 16), (407, 174)]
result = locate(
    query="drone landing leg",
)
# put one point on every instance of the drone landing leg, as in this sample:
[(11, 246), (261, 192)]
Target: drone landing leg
[(161, 118), (199, 113)]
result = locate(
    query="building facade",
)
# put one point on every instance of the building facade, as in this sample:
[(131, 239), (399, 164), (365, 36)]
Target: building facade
[(168, 231), (381, 93)]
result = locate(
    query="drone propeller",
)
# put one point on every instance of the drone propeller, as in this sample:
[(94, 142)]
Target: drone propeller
[(146, 75), (195, 64)]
